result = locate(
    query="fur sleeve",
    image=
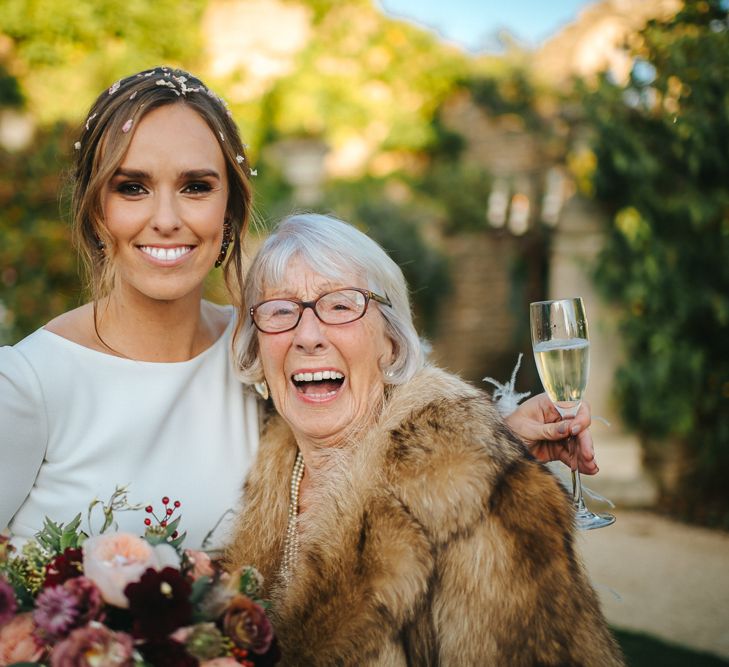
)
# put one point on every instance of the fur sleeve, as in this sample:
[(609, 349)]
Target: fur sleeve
[(445, 459), (518, 567), (508, 587)]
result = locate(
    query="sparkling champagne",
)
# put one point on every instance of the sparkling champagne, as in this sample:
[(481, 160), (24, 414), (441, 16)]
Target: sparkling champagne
[(563, 365)]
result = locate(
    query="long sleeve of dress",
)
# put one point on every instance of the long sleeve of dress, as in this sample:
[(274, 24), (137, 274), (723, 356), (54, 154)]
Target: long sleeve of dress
[(23, 431)]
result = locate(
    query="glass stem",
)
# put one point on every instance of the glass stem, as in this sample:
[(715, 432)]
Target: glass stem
[(577, 491), (576, 481)]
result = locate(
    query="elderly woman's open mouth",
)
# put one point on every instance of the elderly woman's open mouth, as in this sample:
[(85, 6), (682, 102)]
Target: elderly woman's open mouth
[(318, 385)]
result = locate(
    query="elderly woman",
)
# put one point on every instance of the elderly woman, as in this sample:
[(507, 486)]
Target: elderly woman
[(394, 516)]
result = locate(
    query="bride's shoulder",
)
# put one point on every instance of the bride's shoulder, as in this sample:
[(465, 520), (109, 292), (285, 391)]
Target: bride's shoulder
[(217, 317), (76, 325)]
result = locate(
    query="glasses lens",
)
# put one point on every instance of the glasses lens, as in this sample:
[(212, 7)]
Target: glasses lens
[(277, 315), (342, 306)]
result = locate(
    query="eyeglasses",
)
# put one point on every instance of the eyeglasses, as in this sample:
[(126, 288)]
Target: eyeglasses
[(341, 306)]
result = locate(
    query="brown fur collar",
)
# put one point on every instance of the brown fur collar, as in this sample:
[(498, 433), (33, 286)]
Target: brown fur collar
[(437, 540)]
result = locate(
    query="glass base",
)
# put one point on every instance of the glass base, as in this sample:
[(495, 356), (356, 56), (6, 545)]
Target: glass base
[(586, 520)]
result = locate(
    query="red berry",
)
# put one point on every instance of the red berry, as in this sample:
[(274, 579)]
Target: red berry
[(163, 524), (174, 535), (165, 500), (148, 522), (177, 503), (169, 512), (149, 509)]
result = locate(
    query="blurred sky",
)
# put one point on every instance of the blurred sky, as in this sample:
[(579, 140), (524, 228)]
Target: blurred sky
[(475, 23)]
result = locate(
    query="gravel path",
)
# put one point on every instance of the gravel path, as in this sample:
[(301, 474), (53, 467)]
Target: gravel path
[(662, 578)]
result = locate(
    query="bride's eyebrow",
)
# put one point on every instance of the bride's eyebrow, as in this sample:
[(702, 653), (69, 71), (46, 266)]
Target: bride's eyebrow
[(130, 173), (190, 174), (199, 173)]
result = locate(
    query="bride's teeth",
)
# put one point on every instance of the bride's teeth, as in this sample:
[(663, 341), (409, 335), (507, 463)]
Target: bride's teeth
[(318, 376), (166, 254)]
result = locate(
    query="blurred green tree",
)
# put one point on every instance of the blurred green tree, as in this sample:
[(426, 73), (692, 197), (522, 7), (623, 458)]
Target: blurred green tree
[(662, 171), (64, 53)]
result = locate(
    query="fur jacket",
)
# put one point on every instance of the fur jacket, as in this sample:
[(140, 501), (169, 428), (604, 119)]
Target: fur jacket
[(438, 540)]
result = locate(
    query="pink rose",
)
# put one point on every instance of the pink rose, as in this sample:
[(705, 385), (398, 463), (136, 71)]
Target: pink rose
[(201, 564), (113, 561), (17, 643), (94, 644)]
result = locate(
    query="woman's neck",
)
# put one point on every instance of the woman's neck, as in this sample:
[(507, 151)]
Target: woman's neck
[(162, 331)]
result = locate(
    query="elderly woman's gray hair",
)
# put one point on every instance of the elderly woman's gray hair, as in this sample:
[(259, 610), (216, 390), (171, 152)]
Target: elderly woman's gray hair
[(334, 249)]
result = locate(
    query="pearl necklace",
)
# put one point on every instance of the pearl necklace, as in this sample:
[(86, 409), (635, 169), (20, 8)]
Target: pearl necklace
[(291, 545)]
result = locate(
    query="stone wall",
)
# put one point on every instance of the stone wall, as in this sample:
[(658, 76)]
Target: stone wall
[(483, 324)]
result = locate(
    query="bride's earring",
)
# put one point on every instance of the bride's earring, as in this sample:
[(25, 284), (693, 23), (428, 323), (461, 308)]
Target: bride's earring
[(227, 235)]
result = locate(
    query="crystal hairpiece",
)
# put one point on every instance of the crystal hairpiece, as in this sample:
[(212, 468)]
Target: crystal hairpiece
[(178, 84)]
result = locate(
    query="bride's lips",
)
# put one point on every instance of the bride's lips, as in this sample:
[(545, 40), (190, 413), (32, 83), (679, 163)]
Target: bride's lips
[(167, 255), (317, 385)]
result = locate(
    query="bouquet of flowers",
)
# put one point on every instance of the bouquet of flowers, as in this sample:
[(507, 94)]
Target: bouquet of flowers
[(117, 599)]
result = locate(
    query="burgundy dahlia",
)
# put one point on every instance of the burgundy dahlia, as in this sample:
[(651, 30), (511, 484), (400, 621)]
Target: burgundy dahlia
[(8, 603), (167, 653), (159, 603), (63, 567)]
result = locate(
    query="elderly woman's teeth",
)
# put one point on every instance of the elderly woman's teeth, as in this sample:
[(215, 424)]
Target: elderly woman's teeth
[(318, 376), (319, 385)]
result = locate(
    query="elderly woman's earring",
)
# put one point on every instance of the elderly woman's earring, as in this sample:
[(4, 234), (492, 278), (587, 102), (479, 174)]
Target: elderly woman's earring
[(227, 235), (262, 389)]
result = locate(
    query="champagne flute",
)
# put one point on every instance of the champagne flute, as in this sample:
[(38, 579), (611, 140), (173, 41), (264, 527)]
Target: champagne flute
[(562, 354)]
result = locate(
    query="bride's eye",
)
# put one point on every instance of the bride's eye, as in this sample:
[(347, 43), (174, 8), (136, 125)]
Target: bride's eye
[(198, 188), (130, 188)]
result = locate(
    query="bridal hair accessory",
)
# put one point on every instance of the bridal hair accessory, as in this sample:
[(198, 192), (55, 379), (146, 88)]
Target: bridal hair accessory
[(178, 83), (227, 235)]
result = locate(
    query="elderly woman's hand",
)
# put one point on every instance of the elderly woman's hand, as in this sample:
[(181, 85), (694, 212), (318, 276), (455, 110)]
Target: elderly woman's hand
[(537, 422)]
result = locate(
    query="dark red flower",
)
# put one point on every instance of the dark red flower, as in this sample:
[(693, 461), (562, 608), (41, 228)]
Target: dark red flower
[(63, 567), (88, 599), (159, 603), (247, 625), (166, 653)]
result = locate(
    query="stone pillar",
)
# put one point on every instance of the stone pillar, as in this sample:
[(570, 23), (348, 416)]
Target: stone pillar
[(577, 241)]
